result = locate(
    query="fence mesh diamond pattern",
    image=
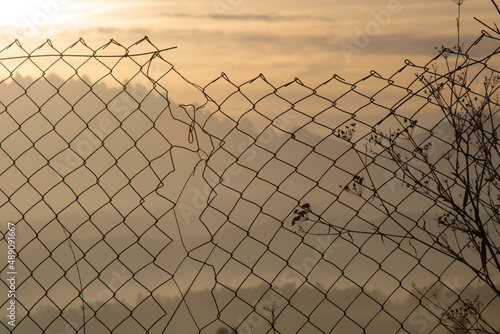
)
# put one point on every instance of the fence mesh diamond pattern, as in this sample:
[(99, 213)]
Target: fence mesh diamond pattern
[(144, 203)]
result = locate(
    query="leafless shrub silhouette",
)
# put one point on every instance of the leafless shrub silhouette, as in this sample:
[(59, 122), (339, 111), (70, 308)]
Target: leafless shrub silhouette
[(462, 181)]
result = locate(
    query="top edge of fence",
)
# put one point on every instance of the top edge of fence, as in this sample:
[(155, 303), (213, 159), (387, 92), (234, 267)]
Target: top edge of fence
[(127, 52), (92, 52)]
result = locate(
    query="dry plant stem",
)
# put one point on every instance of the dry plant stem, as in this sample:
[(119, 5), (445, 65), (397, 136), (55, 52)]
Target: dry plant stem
[(465, 193)]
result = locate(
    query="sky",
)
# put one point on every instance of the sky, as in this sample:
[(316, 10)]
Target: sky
[(282, 39)]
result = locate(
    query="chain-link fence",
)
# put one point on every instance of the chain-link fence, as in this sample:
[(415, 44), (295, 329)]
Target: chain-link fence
[(134, 201)]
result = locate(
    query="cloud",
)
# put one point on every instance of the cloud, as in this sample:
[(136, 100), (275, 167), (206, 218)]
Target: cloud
[(410, 44), (261, 17)]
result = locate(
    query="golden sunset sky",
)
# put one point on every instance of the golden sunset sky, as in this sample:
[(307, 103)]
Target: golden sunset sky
[(110, 164), (243, 38)]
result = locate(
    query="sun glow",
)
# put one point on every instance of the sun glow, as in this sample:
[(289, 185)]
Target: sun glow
[(29, 13)]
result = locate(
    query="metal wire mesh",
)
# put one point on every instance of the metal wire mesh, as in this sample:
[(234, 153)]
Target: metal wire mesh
[(145, 203)]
